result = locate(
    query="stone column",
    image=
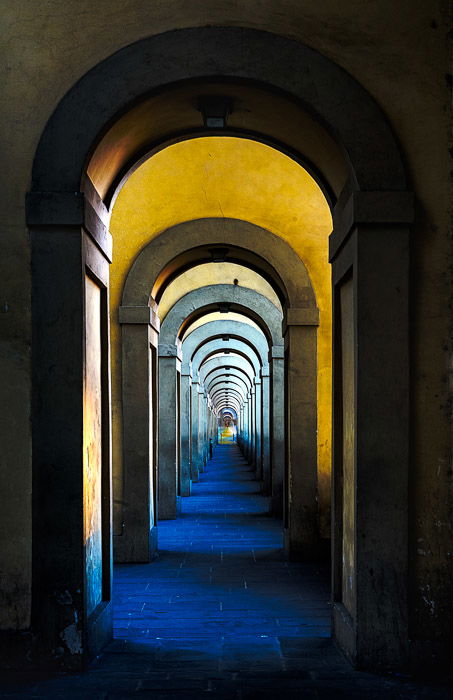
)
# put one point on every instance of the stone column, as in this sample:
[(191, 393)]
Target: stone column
[(204, 428), (186, 432), (241, 419), (169, 368), (278, 455), (137, 541), (266, 437), (201, 417), (195, 418), (258, 430), (253, 426), (369, 251), (301, 504), (71, 403), (246, 427)]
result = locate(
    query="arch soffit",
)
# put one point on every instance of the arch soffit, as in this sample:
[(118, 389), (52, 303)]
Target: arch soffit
[(226, 384), (230, 377), (201, 301), (227, 411), (217, 329), (114, 85), (224, 404), (193, 242), (241, 387), (236, 346), (222, 393), (236, 361), (238, 372)]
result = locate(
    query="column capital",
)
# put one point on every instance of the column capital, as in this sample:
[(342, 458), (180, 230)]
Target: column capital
[(300, 317), (137, 315), (168, 350), (71, 209), (386, 207), (277, 352)]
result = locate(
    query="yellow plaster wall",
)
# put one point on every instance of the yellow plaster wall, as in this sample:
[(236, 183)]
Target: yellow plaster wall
[(241, 179)]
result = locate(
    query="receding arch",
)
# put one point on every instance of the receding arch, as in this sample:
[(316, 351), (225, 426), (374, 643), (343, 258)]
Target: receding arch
[(370, 235), (202, 301), (239, 347), (251, 55), (233, 379), (217, 329), (238, 363), (193, 242)]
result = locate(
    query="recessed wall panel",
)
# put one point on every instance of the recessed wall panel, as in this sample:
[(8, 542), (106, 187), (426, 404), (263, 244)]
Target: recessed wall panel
[(92, 417), (348, 411)]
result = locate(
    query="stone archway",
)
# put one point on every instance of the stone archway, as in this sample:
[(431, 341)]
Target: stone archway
[(170, 377), (195, 340), (70, 245), (193, 242)]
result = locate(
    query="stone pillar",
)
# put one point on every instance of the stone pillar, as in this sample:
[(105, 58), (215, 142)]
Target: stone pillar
[(169, 369), (194, 423), (241, 428), (258, 430), (137, 541), (71, 404), (201, 417), (301, 503), (186, 432), (266, 428), (212, 429), (253, 426), (247, 427), (204, 428), (369, 251), (278, 455)]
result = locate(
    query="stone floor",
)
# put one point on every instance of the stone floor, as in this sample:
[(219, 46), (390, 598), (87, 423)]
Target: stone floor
[(221, 614)]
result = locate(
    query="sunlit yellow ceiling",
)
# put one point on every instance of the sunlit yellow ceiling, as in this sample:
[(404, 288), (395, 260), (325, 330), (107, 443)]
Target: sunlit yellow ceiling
[(214, 273), (223, 176)]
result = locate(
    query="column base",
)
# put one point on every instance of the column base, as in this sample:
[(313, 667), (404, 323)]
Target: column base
[(186, 489), (301, 551), (135, 549), (277, 506)]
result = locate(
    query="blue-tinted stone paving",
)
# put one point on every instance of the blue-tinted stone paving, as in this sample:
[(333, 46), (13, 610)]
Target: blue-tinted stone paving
[(221, 614)]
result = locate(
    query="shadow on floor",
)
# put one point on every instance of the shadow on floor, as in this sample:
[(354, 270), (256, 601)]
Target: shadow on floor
[(221, 614)]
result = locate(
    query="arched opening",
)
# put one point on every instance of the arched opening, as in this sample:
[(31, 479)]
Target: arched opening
[(344, 150)]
